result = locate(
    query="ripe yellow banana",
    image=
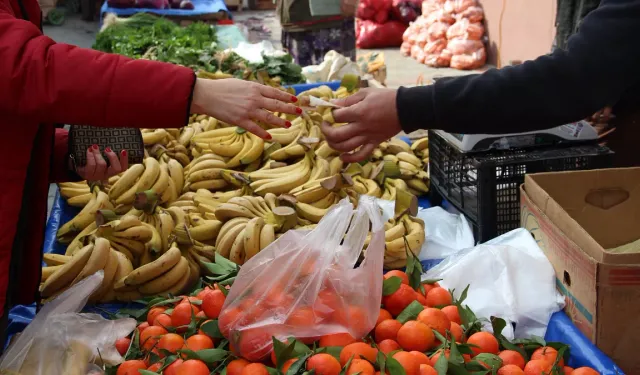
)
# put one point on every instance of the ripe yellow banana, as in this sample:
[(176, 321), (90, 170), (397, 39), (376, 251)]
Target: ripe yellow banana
[(418, 185), (141, 233), (176, 172), (236, 253), (153, 137), (229, 210), (68, 231), (97, 261), (64, 276), (207, 231), (180, 286), (252, 237), (48, 271), (225, 240), (51, 259), (307, 211), (162, 183), (127, 181), (166, 280), (285, 184), (110, 270), (267, 236), (154, 269), (420, 144)]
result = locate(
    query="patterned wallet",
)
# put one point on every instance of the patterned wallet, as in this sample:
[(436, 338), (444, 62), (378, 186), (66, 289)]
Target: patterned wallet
[(81, 137)]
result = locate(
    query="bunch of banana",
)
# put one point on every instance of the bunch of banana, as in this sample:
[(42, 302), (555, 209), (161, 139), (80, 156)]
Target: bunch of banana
[(391, 186), (147, 210), (203, 123), (78, 194), (169, 274), (204, 172), (396, 246), (246, 206), (286, 136), (207, 202), (99, 201), (164, 179), (138, 241), (238, 146), (281, 180), (242, 238), (420, 148), (307, 139), (90, 259)]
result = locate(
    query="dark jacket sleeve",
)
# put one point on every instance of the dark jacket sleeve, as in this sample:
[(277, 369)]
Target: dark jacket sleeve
[(601, 62)]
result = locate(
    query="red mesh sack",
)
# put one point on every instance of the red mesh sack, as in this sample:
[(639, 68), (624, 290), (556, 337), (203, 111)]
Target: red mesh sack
[(463, 29), (437, 31), (374, 35), (435, 47), (464, 47), (473, 14), (471, 61)]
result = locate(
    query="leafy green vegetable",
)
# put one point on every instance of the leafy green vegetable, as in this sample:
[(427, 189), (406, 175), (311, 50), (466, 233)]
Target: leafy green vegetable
[(195, 46)]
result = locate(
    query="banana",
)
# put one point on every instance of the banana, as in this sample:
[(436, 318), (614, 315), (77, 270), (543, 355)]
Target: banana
[(125, 251), (207, 231), (97, 261), (154, 245), (48, 271), (255, 150), (165, 280), (394, 232), (124, 266), (154, 269), (309, 212), (209, 185), (244, 202), (203, 163), (285, 136), (162, 183), (110, 270), (127, 181), (270, 199), (420, 144), (397, 145), (236, 253), (51, 259), (185, 135), (226, 241), (252, 237), (259, 205), (150, 175), (65, 275), (418, 185), (371, 187), (194, 270), (284, 184), (126, 222), (407, 166), (227, 211), (208, 135), (409, 158), (139, 233), (326, 202), (153, 137), (84, 218), (179, 287), (165, 226), (267, 236), (415, 237), (79, 200)]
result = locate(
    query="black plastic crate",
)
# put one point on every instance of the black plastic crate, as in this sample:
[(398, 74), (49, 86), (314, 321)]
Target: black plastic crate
[(485, 187)]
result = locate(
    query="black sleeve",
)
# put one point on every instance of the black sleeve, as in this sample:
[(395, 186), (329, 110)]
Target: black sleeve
[(601, 62)]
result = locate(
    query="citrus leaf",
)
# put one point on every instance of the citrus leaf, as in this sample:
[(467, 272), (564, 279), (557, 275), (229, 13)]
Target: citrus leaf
[(394, 367), (333, 351), (498, 325), (442, 365), (346, 367), (381, 360), (166, 302), (297, 365), (211, 356), (410, 312), (282, 351), (430, 281), (454, 354), (463, 295), (147, 372), (456, 369), (492, 360), (391, 285), (211, 329)]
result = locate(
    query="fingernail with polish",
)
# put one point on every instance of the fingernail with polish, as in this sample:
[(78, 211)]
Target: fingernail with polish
[(299, 110), (123, 152), (95, 147), (287, 124), (294, 99), (268, 136), (108, 149)]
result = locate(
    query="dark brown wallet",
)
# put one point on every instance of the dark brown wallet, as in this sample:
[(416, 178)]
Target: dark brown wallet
[(81, 137)]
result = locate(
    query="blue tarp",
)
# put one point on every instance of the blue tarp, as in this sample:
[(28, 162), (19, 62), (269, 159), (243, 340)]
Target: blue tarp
[(201, 7), (308, 86)]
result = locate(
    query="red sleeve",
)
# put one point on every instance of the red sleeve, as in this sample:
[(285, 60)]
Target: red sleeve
[(47, 82)]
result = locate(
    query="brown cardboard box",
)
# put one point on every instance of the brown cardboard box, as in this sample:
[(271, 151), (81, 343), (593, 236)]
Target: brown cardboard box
[(602, 289)]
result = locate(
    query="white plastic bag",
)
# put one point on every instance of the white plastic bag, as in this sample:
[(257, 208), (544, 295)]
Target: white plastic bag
[(59, 336), (304, 284), (508, 277)]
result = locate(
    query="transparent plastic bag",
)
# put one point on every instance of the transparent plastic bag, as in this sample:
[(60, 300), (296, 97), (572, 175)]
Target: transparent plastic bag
[(60, 340), (304, 285)]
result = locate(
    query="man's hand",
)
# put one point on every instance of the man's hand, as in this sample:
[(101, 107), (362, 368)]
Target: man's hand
[(371, 117)]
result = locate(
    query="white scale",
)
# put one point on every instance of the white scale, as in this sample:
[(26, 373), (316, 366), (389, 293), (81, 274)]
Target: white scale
[(580, 131)]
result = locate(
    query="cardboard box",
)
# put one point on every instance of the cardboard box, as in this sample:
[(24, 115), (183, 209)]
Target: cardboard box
[(574, 217)]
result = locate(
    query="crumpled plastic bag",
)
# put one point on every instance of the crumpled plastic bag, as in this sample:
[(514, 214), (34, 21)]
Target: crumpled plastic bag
[(333, 68), (508, 277), (60, 338), (380, 35), (304, 284)]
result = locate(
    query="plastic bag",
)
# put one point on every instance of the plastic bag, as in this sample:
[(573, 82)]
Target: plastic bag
[(464, 47), (374, 35), (440, 16), (59, 338), (463, 29), (445, 233), (459, 6), (437, 30), (473, 14), (435, 47), (304, 284), (509, 277), (474, 60), (439, 60)]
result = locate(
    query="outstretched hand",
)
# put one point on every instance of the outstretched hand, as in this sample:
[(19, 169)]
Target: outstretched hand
[(370, 117), (242, 103)]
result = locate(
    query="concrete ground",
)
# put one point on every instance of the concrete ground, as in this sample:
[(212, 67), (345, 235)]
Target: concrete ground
[(401, 71)]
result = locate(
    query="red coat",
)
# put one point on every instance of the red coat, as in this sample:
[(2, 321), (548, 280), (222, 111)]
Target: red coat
[(43, 83)]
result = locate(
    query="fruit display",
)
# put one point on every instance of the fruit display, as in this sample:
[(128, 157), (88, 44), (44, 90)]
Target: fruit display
[(213, 190), (422, 329)]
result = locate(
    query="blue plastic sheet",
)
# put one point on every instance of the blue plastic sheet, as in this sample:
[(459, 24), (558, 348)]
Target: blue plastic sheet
[(201, 7), (334, 85)]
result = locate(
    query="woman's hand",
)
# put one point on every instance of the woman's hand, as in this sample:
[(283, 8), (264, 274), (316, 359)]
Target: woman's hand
[(97, 169), (242, 103), (371, 117)]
